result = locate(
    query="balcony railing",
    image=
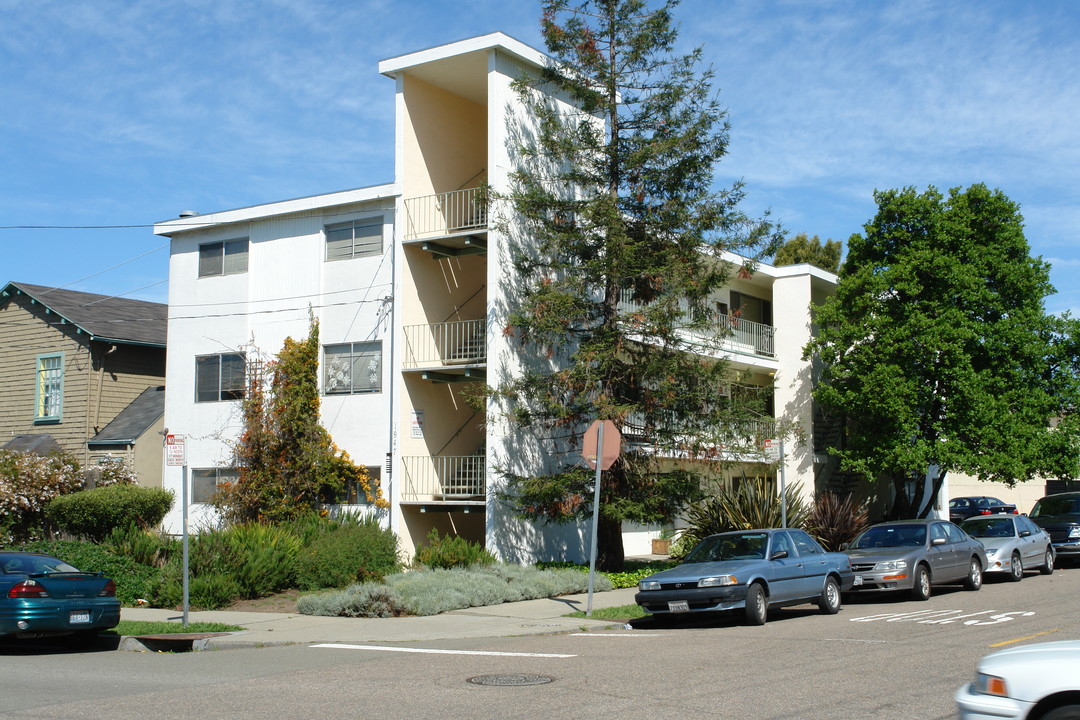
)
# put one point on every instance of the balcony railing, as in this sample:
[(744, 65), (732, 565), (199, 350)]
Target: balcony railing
[(444, 478), (748, 432), (448, 343), (446, 213), (736, 334)]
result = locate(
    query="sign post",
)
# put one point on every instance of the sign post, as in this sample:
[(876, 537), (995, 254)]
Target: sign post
[(774, 452), (600, 447), (176, 454)]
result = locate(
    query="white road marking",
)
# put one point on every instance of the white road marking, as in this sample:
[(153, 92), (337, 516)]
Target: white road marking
[(433, 651), (944, 617), (598, 634)]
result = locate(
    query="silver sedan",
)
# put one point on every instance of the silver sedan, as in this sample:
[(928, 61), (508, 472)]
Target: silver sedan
[(1013, 543), (912, 555)]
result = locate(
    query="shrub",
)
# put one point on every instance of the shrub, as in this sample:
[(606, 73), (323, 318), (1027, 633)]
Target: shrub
[(143, 546), (364, 600), (260, 558), (133, 580), (835, 520), (27, 483), (450, 551), (429, 592), (749, 505), (93, 514), (207, 592), (346, 555)]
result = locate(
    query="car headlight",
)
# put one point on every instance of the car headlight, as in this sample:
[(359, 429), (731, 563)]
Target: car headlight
[(890, 565), (717, 581), (991, 685), (991, 552), (649, 585), (1074, 533)]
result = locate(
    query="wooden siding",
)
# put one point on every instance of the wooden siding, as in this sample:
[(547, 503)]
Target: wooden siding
[(96, 386)]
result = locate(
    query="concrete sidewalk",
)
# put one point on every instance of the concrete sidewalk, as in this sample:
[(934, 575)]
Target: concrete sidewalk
[(529, 617)]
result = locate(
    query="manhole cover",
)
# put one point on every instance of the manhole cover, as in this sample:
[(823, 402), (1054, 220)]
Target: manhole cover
[(510, 680)]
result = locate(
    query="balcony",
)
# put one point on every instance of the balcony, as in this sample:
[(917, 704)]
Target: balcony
[(736, 334), (445, 478), (462, 342), (446, 214)]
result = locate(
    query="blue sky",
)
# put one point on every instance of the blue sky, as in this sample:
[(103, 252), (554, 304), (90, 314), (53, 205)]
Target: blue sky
[(125, 112)]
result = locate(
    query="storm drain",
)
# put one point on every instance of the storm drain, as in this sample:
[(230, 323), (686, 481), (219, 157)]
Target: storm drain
[(510, 680)]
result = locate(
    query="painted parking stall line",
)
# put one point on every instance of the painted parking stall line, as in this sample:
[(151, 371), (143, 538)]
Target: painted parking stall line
[(946, 617), (436, 651)]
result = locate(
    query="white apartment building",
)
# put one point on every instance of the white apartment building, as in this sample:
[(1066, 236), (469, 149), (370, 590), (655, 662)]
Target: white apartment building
[(411, 282)]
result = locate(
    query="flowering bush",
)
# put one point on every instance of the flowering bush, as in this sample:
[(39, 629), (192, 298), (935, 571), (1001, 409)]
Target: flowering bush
[(116, 472), (27, 483)]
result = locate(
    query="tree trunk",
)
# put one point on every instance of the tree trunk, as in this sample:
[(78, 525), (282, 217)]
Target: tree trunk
[(609, 547)]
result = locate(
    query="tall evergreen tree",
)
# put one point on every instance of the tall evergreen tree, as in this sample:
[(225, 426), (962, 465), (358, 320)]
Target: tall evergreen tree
[(619, 231), (939, 353), (803, 249)]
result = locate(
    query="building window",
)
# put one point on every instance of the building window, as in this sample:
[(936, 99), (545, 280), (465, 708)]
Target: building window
[(205, 482), (357, 238), (352, 368), (219, 377), (352, 493), (223, 258), (49, 387)]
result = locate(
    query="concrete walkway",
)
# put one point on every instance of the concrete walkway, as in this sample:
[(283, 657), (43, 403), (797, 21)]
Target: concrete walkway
[(529, 617)]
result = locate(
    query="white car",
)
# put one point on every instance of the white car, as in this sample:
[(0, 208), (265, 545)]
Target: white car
[(1029, 682)]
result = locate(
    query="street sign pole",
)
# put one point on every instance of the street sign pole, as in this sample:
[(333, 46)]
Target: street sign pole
[(595, 518), (783, 488), (184, 530)]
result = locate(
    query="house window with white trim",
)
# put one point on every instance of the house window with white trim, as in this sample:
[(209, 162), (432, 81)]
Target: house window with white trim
[(351, 368), (49, 388), (354, 239), (206, 482), (227, 257), (220, 377)]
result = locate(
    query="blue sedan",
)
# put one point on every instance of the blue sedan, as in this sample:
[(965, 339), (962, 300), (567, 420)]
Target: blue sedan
[(751, 570), (41, 596)]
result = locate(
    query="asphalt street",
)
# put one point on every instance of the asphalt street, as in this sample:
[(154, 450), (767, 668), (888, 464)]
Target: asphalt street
[(880, 657)]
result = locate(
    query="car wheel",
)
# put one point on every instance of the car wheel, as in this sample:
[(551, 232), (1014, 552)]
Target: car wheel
[(973, 581), (757, 606), (1048, 566), (921, 589), (1016, 568), (829, 602), (1065, 712)]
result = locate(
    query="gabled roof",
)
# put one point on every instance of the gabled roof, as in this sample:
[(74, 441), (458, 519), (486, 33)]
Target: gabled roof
[(133, 420), (38, 444), (105, 318)]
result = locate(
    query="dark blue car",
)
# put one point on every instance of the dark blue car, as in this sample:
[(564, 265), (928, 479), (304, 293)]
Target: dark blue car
[(751, 570), (41, 596)]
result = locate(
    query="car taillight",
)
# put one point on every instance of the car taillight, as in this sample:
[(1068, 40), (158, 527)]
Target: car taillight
[(1015, 511), (109, 590), (984, 511), (28, 589)]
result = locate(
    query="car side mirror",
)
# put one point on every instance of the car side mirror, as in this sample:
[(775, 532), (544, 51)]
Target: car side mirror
[(937, 541), (844, 546), (1025, 533), (779, 554)]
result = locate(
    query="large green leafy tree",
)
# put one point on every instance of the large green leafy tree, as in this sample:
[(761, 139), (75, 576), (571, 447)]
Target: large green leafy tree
[(618, 232), (938, 350), (803, 249)]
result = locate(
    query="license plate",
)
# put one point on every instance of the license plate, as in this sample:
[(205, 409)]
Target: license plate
[(678, 606), (79, 616), (858, 580)]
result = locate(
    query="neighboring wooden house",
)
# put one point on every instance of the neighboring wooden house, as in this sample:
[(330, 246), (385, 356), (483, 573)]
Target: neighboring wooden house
[(71, 364)]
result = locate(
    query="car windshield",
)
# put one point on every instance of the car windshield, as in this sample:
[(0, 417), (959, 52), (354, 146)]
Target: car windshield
[(1056, 506), (734, 546), (28, 564), (989, 527), (891, 536)]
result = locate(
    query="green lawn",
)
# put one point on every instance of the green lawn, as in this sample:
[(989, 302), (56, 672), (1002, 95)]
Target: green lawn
[(147, 627), (619, 612)]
